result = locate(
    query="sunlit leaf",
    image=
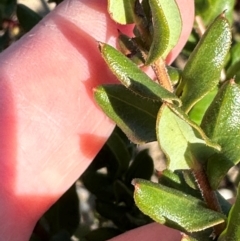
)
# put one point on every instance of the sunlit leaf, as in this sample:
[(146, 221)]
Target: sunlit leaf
[(133, 78), (177, 137), (167, 27), (197, 112), (202, 71), (222, 124), (121, 11), (159, 202)]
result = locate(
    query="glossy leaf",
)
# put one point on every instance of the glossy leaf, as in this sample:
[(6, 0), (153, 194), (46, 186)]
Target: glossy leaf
[(121, 11), (202, 71), (197, 112), (175, 137), (222, 124), (134, 115), (27, 17), (159, 202), (133, 78), (232, 231), (167, 27)]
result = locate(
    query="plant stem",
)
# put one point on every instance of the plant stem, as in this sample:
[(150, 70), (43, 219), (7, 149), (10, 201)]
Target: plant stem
[(208, 194), (162, 74)]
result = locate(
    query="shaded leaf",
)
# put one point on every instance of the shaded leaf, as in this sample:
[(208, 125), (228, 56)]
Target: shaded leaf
[(141, 167), (209, 9), (134, 78), (202, 71), (123, 193), (27, 17), (222, 124), (7, 8), (167, 27), (102, 234), (64, 214), (119, 150), (234, 65), (98, 184), (188, 213), (134, 115)]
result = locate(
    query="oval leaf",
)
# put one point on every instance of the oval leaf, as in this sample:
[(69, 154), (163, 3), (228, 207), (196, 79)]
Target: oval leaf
[(167, 27), (134, 115), (121, 11), (133, 78), (222, 124), (159, 202), (120, 152), (202, 71), (175, 136)]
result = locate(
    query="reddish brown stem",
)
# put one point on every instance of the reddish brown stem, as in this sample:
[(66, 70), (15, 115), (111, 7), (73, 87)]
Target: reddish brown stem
[(162, 75), (208, 194)]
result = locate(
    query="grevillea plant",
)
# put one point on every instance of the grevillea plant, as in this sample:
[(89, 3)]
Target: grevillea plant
[(193, 113)]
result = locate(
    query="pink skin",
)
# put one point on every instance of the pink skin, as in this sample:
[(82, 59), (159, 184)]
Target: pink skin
[(51, 129)]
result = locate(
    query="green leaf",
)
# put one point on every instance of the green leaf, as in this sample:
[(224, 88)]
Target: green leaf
[(202, 71), (7, 8), (64, 214), (175, 136), (174, 74), (141, 167), (177, 181), (27, 17), (134, 115), (123, 193), (197, 112), (121, 11), (222, 124), (234, 65), (232, 231), (98, 184), (120, 152), (133, 78), (209, 9), (187, 214), (167, 27)]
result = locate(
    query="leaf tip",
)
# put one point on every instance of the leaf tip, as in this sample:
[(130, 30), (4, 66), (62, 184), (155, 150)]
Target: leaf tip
[(100, 45)]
